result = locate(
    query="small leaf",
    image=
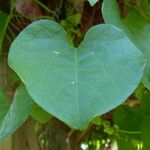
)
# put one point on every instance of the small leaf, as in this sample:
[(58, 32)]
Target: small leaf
[(93, 2), (76, 84), (17, 113), (39, 114), (74, 19), (111, 13), (139, 92), (96, 121)]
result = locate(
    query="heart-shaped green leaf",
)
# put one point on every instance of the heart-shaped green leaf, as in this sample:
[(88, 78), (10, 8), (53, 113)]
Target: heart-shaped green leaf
[(76, 84), (17, 113)]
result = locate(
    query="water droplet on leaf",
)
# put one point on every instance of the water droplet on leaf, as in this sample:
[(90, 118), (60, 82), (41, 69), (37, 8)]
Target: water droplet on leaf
[(73, 82), (56, 52), (92, 53)]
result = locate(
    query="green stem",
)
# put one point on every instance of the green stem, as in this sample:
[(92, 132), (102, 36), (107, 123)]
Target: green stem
[(130, 132), (63, 9), (45, 7), (37, 17)]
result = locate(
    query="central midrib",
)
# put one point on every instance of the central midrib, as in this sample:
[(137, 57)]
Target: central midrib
[(76, 83)]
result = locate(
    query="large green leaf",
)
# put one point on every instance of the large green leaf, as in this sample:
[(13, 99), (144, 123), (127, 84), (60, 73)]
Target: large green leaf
[(93, 2), (76, 84), (17, 113)]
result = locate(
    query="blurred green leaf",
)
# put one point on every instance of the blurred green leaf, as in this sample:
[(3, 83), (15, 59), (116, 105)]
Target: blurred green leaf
[(122, 116), (3, 98), (145, 109), (17, 113), (125, 144), (4, 106), (111, 13), (146, 133), (39, 114), (144, 9), (145, 104), (136, 27), (129, 121), (138, 30)]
